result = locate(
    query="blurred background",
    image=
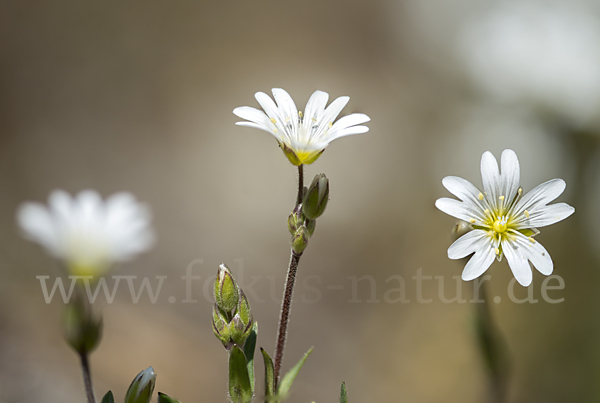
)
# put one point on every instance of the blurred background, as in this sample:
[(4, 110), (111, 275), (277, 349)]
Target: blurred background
[(138, 96)]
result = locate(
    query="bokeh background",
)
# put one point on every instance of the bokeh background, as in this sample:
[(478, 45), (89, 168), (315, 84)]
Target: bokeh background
[(137, 96)]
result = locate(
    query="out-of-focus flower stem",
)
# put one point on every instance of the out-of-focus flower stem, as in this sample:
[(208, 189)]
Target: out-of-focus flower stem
[(289, 289), (87, 378), (492, 347)]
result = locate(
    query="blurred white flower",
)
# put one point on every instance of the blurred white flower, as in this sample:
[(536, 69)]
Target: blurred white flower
[(542, 53), (302, 136), (504, 221), (87, 233)]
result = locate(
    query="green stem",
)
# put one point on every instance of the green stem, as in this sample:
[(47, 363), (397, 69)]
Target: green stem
[(288, 292), (87, 378), (492, 348)]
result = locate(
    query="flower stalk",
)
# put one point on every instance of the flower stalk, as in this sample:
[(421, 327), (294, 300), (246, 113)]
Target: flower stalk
[(492, 348), (87, 377), (288, 291)]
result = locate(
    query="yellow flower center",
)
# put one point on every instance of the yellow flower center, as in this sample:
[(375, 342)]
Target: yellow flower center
[(500, 225)]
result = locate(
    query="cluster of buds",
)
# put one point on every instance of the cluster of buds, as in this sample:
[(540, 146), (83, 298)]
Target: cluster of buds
[(302, 221), (232, 319)]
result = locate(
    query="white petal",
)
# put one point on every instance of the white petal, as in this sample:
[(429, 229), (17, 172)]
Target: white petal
[(458, 209), (479, 263), (349, 120), (464, 190), (535, 252), (261, 127), (540, 196), (334, 109), (347, 132), (61, 204), (38, 225), (467, 244), (253, 115), (287, 108), (315, 107), (510, 175), (545, 215), (517, 260), (268, 106), (490, 176)]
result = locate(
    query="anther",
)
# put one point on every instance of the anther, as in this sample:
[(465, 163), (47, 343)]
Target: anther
[(472, 220), (526, 213), (273, 121), (480, 197)]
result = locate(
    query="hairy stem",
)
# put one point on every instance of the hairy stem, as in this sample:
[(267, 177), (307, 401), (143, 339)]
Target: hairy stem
[(288, 291), (87, 378)]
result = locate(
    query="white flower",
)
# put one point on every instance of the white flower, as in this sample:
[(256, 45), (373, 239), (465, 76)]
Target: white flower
[(504, 221), (302, 136), (87, 233), (543, 53)]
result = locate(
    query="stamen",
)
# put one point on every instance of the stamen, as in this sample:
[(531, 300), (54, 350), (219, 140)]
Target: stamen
[(314, 120), (473, 221), (486, 211), (520, 191), (501, 198), (273, 121), (480, 197), (526, 213), (330, 124), (300, 114), (287, 119), (496, 251), (531, 240)]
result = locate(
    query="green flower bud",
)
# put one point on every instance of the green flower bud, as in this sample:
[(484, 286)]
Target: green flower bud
[(82, 329), (226, 291), (221, 326), (300, 240), (241, 324), (310, 226), (316, 198), (296, 219), (140, 390)]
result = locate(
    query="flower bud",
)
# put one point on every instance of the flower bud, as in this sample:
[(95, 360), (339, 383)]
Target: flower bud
[(140, 390), (242, 321), (226, 291), (300, 240), (243, 309), (316, 198), (310, 226), (296, 219), (221, 326), (82, 329)]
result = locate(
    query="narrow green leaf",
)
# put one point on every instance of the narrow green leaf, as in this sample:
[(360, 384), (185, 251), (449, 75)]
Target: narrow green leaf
[(269, 374), (162, 398), (249, 347), (288, 379), (239, 382), (108, 398), (343, 394)]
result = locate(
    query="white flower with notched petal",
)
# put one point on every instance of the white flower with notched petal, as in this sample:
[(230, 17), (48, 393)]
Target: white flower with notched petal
[(87, 233), (504, 221), (302, 136)]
